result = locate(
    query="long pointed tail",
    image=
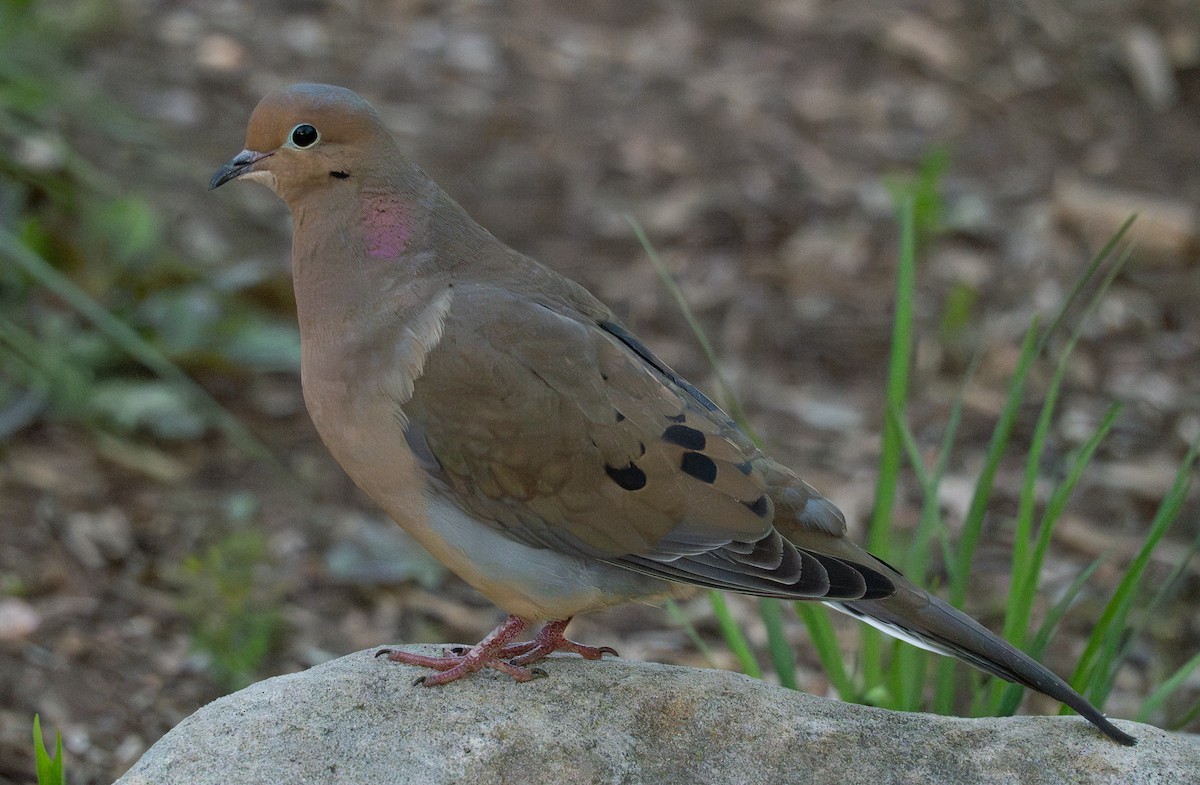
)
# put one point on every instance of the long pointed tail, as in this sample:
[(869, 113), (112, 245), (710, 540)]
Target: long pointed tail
[(924, 620)]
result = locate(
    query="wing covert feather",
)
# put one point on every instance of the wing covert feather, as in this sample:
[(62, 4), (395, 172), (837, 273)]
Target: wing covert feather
[(565, 433)]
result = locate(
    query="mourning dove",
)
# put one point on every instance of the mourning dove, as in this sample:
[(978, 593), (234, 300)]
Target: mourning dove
[(509, 422)]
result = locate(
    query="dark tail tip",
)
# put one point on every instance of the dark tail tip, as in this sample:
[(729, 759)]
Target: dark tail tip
[(1110, 730), (929, 622)]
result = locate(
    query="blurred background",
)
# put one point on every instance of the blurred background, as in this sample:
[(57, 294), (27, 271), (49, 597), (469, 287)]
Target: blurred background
[(171, 527)]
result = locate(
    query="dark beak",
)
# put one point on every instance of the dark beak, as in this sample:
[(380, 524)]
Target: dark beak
[(238, 165)]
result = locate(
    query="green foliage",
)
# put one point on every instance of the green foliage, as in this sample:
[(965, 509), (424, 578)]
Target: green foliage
[(737, 642), (49, 769), (1110, 643), (892, 448), (728, 397), (923, 192), (894, 674), (958, 311), (1154, 704), (89, 289), (231, 605)]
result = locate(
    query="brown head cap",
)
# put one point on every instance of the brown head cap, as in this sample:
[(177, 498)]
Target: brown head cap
[(305, 135)]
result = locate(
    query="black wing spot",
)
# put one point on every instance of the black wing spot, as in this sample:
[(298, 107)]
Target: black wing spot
[(685, 437), (630, 477), (699, 466), (681, 417), (620, 417), (339, 175), (760, 506)]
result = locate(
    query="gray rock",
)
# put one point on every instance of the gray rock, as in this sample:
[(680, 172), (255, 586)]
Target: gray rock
[(359, 720)]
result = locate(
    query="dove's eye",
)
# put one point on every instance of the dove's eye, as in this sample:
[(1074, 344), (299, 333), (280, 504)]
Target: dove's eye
[(304, 135)]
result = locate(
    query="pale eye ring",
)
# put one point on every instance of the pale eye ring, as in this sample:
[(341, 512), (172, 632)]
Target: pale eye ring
[(304, 135)]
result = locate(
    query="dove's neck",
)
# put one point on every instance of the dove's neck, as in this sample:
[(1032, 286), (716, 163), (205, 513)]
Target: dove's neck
[(379, 248), (373, 263)]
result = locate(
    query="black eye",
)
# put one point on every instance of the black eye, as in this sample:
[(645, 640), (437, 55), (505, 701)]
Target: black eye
[(304, 135)]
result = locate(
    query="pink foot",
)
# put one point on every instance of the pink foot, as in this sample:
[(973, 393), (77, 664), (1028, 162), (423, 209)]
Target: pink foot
[(496, 651), (550, 639)]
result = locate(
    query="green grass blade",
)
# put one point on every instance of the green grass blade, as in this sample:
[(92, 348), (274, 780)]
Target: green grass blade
[(1041, 641), (908, 668), (783, 659), (733, 635), (913, 663), (1077, 290), (49, 770), (932, 524), (916, 560), (1025, 583), (1166, 592), (1119, 643), (911, 667), (35, 368), (1011, 698), (1186, 718), (1032, 346), (1027, 571), (728, 398), (912, 451), (1016, 616), (892, 448), (820, 631), (1028, 553), (959, 566), (1095, 666), (1060, 497), (676, 615), (1167, 689)]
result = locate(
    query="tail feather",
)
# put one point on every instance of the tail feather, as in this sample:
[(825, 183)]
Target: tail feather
[(928, 622)]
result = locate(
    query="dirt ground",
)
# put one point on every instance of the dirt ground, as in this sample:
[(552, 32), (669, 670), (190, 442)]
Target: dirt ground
[(754, 140)]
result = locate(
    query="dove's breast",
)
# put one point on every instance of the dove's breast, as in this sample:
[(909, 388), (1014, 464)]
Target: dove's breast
[(363, 426)]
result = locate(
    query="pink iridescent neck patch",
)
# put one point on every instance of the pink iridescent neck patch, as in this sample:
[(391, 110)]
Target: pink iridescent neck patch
[(387, 225)]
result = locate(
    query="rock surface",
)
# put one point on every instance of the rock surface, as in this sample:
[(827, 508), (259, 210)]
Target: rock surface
[(358, 719)]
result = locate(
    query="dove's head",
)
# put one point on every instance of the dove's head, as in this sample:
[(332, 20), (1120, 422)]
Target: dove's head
[(307, 137)]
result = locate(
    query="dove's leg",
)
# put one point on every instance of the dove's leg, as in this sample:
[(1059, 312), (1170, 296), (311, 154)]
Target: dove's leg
[(488, 653), (495, 651), (549, 640)]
